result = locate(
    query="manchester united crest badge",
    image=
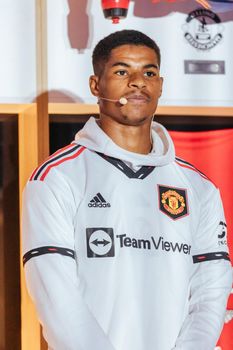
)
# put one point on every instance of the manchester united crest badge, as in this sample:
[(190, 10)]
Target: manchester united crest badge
[(173, 201)]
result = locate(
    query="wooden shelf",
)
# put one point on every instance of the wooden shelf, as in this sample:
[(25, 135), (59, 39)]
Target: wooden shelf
[(76, 108)]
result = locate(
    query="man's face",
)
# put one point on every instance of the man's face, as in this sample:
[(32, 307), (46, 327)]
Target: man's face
[(131, 72)]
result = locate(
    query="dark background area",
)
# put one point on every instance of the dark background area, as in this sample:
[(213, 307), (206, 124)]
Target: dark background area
[(64, 127), (10, 326)]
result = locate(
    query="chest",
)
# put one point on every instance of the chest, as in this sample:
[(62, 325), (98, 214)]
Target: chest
[(154, 210)]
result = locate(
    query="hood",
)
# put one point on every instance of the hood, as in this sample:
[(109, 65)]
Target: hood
[(95, 139)]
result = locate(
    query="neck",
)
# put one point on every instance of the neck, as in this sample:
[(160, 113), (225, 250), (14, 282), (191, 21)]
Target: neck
[(133, 138)]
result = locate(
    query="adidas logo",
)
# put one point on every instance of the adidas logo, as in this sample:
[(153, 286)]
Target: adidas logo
[(98, 202)]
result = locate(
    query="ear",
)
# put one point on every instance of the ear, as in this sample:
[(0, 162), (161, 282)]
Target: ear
[(94, 85), (161, 86)]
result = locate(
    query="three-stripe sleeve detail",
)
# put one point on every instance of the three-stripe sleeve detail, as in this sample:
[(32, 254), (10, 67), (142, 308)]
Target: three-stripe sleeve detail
[(189, 166), (69, 152)]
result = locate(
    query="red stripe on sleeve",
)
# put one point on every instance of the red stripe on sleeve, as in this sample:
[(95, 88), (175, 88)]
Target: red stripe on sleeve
[(196, 171), (50, 157), (31, 178), (61, 161)]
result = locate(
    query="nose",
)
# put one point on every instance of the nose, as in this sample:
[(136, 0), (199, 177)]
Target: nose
[(137, 80)]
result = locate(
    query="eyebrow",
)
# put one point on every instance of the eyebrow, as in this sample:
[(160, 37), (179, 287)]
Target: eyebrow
[(150, 65)]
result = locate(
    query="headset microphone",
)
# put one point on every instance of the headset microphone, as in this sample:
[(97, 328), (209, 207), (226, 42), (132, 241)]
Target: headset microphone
[(123, 101)]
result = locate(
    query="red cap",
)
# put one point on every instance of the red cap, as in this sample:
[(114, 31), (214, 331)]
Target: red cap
[(108, 4)]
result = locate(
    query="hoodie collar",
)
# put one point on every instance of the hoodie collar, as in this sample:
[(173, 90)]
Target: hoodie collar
[(95, 139)]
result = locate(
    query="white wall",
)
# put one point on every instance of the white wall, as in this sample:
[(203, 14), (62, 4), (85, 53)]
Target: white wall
[(17, 51), (69, 68), (75, 26)]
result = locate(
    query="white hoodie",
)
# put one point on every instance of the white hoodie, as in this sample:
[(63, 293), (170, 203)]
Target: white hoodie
[(125, 251)]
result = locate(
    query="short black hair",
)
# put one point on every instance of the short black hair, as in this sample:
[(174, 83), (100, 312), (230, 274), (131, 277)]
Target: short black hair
[(102, 51)]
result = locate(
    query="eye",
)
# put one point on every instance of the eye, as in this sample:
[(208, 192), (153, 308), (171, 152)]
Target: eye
[(150, 74), (121, 72)]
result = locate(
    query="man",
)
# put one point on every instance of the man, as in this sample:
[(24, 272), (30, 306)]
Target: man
[(121, 246)]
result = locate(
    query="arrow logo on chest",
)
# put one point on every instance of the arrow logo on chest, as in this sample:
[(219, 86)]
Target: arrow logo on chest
[(99, 242)]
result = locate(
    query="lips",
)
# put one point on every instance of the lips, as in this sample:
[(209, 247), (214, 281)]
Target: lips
[(137, 98)]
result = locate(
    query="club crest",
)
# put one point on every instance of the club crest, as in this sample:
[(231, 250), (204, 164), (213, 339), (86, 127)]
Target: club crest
[(173, 201)]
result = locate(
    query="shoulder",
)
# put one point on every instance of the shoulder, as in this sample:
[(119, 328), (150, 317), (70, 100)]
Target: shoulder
[(198, 181), (57, 161)]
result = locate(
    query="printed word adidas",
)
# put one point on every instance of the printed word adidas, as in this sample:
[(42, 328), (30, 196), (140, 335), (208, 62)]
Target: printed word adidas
[(98, 202)]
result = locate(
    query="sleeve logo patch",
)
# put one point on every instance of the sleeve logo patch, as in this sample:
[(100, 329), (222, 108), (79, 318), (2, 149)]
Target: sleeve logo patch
[(222, 232), (173, 201)]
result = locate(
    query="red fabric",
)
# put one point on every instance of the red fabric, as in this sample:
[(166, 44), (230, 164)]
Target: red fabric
[(212, 153)]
